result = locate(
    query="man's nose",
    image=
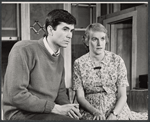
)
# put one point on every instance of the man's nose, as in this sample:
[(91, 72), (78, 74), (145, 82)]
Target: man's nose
[(69, 35)]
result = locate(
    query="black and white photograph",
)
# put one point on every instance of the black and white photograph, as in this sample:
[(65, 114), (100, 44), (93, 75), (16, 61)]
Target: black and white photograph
[(74, 60)]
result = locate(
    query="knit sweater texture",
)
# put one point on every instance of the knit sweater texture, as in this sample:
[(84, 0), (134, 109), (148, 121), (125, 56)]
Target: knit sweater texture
[(34, 79)]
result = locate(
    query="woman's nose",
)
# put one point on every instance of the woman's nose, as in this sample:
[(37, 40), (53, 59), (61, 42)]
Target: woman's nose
[(98, 42)]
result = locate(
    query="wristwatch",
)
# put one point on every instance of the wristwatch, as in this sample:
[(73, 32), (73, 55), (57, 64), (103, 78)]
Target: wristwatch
[(114, 113)]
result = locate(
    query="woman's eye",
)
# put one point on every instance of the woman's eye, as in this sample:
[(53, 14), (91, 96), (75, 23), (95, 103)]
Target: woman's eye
[(94, 39), (103, 38)]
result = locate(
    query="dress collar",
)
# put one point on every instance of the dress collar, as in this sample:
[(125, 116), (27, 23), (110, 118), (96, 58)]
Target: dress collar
[(105, 60)]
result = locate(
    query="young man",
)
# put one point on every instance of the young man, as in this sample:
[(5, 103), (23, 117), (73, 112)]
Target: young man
[(34, 86)]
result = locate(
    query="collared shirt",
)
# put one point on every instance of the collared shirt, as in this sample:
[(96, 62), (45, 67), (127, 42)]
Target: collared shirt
[(57, 53)]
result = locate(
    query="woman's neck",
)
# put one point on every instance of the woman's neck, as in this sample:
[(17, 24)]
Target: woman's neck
[(97, 58)]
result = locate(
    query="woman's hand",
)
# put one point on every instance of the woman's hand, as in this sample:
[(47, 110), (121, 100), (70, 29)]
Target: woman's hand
[(99, 116), (112, 117)]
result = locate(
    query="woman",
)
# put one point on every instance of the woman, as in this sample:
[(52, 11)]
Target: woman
[(100, 79)]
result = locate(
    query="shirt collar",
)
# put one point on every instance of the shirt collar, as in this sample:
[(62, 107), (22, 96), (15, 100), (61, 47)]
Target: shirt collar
[(57, 53)]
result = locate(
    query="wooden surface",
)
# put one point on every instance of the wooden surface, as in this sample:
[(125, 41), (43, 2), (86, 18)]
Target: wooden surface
[(138, 100)]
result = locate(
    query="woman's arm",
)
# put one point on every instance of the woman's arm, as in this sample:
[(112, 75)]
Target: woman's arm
[(87, 106), (83, 102), (122, 98)]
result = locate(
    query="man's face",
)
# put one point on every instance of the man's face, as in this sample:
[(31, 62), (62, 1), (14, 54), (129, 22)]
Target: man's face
[(62, 35), (97, 42)]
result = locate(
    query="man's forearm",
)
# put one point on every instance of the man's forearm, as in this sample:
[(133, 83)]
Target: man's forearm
[(56, 109)]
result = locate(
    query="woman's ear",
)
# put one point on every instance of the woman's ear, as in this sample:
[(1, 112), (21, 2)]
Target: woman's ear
[(49, 30)]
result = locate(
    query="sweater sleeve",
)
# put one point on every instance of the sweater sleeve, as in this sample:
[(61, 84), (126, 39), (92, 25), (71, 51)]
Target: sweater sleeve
[(17, 80), (62, 97)]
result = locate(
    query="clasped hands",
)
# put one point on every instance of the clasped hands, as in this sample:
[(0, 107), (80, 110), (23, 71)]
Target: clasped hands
[(72, 110), (99, 115)]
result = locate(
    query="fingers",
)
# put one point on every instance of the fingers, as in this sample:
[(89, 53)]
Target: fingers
[(94, 117), (72, 114), (97, 118), (100, 117), (75, 105), (71, 105), (103, 117), (76, 111)]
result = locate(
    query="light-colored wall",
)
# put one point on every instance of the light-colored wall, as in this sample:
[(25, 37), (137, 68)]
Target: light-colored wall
[(38, 12), (142, 42)]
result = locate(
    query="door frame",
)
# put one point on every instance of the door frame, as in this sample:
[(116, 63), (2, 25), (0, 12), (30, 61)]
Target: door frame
[(120, 17)]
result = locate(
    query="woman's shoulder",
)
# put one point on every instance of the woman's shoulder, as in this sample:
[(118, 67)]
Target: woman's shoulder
[(83, 58), (113, 56)]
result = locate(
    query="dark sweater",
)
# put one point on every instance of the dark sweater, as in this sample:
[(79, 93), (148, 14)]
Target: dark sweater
[(34, 80)]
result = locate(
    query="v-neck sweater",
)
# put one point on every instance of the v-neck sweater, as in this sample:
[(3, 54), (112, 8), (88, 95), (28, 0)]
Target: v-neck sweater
[(34, 79)]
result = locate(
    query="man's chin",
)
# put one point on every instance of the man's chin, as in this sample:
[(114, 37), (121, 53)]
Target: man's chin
[(64, 46)]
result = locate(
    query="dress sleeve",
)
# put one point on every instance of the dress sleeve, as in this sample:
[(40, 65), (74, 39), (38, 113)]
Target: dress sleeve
[(77, 80), (122, 74)]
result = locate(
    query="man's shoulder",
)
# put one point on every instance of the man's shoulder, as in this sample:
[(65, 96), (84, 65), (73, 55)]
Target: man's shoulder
[(25, 43), (24, 46)]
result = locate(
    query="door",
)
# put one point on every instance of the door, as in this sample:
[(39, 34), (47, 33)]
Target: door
[(122, 41)]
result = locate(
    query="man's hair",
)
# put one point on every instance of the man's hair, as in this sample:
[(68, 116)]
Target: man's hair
[(95, 27), (56, 16)]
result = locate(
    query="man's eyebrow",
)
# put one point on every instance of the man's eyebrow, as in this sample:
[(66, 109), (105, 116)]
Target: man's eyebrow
[(68, 28)]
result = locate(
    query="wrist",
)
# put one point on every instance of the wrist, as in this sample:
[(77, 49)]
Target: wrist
[(95, 113), (114, 113), (56, 109)]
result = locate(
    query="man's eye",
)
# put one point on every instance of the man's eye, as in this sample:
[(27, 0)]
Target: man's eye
[(65, 29), (72, 31)]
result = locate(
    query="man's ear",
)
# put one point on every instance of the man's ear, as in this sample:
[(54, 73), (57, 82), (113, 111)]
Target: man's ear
[(50, 30)]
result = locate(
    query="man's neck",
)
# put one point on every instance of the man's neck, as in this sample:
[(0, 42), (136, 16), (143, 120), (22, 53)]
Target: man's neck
[(53, 46)]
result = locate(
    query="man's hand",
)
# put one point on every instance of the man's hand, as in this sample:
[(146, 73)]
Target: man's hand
[(74, 112), (68, 109)]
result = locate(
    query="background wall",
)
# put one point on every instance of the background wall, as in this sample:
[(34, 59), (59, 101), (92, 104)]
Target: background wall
[(38, 12)]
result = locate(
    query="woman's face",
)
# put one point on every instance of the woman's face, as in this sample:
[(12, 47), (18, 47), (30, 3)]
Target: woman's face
[(97, 42)]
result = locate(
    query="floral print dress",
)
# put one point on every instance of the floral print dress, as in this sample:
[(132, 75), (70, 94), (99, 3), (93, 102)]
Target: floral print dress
[(112, 74)]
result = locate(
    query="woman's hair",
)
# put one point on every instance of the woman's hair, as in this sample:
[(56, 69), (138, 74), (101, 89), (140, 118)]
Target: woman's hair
[(56, 16), (95, 27)]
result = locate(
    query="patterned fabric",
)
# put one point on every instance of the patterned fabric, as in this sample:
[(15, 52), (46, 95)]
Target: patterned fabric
[(112, 74), (139, 115)]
